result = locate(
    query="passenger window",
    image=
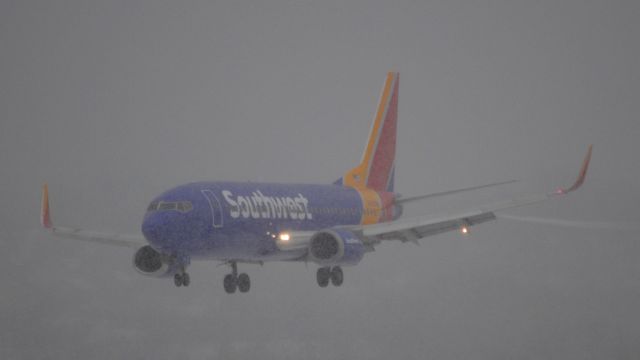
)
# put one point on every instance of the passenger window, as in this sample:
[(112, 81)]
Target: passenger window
[(153, 206)]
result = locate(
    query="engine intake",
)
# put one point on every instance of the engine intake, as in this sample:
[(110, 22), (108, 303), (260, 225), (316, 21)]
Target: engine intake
[(336, 247), (150, 262)]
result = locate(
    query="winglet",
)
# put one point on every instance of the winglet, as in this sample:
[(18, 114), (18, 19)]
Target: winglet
[(581, 176), (45, 216)]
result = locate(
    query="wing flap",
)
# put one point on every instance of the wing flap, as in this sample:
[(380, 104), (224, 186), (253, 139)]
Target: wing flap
[(420, 228)]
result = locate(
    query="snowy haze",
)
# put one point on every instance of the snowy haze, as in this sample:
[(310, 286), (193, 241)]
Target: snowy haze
[(113, 102)]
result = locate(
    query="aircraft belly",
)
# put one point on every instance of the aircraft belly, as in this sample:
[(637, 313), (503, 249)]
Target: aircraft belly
[(244, 246)]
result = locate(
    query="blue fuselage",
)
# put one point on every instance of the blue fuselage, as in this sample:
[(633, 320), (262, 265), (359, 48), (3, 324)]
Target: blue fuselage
[(228, 220)]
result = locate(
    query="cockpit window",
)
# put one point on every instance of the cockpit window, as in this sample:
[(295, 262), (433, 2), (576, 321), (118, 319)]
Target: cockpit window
[(185, 206), (167, 206), (182, 206)]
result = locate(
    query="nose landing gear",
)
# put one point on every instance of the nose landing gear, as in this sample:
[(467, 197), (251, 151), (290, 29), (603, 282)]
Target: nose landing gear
[(182, 279)]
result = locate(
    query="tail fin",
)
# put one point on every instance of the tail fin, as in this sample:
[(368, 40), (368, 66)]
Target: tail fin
[(377, 167)]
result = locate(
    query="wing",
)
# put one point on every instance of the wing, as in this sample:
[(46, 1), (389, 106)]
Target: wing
[(413, 229), (420, 227), (403, 200), (131, 241)]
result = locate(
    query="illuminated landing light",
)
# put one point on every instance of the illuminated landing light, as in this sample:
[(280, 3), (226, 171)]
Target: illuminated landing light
[(464, 230), (284, 237)]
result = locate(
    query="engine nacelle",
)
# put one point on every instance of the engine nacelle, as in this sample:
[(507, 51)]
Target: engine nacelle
[(152, 263), (336, 247)]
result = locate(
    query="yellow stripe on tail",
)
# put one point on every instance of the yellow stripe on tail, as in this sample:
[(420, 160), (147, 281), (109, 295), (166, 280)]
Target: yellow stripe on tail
[(376, 168)]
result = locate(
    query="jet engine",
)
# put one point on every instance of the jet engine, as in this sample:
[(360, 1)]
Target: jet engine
[(150, 262), (336, 247)]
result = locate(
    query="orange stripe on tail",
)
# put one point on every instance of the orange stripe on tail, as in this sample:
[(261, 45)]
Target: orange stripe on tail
[(377, 166)]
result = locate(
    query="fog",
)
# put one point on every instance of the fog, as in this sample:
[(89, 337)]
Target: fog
[(113, 102)]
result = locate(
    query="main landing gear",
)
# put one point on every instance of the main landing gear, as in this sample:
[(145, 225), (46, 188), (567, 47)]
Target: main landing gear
[(327, 273), (234, 281), (182, 278)]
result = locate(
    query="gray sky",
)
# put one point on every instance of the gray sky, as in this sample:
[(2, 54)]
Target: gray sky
[(112, 102)]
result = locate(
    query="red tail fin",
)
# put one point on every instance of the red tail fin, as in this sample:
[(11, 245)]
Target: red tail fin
[(376, 170)]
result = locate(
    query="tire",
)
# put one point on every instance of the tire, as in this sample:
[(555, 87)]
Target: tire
[(244, 283), (177, 280), (230, 284), (186, 279), (322, 276), (337, 277)]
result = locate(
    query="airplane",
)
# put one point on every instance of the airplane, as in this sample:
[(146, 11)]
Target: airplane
[(331, 225)]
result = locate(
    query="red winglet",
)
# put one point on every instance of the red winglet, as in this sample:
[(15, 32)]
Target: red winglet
[(581, 176), (45, 216)]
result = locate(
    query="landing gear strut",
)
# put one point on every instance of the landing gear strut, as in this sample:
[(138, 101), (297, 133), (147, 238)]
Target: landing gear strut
[(234, 281), (327, 273)]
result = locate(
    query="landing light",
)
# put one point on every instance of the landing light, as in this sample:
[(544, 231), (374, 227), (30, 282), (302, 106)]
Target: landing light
[(464, 230), (284, 237)]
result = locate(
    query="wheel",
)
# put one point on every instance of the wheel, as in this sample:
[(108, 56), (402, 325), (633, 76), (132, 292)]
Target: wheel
[(230, 283), (186, 279), (322, 276), (337, 277), (244, 283), (177, 280)]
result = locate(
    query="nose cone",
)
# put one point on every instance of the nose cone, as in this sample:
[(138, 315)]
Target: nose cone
[(150, 228)]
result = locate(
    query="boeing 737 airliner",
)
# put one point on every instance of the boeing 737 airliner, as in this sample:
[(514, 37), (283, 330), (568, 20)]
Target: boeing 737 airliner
[(331, 225)]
